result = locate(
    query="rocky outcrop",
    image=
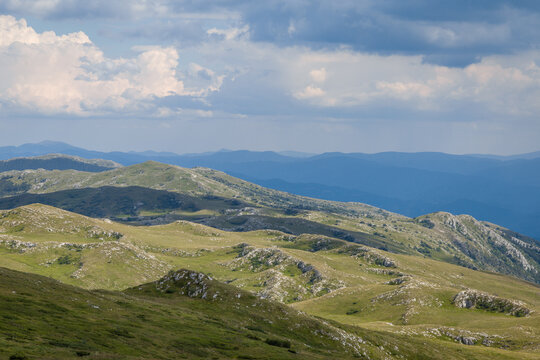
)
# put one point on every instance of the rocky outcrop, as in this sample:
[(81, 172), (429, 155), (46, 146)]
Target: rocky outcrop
[(465, 337), (257, 259), (473, 299), (398, 280), (187, 282), (282, 277), (369, 255)]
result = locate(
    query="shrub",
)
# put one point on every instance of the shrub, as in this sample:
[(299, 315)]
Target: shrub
[(18, 357), (278, 342), (64, 260), (427, 223)]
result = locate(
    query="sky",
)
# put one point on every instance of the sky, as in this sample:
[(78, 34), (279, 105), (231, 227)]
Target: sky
[(315, 76)]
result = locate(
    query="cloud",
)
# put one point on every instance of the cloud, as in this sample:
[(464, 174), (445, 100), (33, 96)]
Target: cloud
[(332, 65), (318, 75), (231, 33), (62, 9), (14, 31), (49, 73), (310, 92), (44, 72), (298, 81), (452, 33)]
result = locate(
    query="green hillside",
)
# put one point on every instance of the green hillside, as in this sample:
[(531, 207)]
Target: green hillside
[(57, 162), (184, 315), (428, 304), (152, 193)]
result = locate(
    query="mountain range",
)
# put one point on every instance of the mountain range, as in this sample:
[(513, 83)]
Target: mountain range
[(499, 189), (153, 193)]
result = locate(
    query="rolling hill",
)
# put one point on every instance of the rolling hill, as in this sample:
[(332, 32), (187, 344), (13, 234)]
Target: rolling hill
[(183, 315), (400, 306), (154, 193)]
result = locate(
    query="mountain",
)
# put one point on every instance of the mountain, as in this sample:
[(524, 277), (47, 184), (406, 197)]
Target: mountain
[(154, 193), (44, 148), (531, 155), (505, 192), (502, 190), (229, 301), (57, 162), (264, 273)]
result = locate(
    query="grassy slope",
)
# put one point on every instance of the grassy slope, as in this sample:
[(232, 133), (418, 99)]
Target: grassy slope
[(44, 319), (179, 317), (359, 295), (444, 241)]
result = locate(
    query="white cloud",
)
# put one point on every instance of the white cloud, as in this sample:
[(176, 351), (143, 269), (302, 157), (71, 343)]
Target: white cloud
[(69, 74), (47, 73), (203, 81), (459, 34), (318, 76), (503, 84), (404, 90), (230, 33), (310, 92), (291, 29), (18, 31)]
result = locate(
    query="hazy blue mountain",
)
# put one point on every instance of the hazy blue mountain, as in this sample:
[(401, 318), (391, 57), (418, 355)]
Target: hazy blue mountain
[(296, 154), (521, 171), (133, 157), (531, 155), (505, 193), (44, 148), (432, 161)]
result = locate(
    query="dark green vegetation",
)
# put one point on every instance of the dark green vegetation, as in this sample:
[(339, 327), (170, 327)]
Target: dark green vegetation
[(123, 202), (42, 318)]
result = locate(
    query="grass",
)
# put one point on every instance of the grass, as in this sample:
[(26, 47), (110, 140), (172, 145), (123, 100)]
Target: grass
[(45, 319), (364, 300)]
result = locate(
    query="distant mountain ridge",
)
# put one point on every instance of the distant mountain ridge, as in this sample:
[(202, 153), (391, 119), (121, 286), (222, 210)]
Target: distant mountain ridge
[(500, 189), (531, 155), (129, 157), (57, 162)]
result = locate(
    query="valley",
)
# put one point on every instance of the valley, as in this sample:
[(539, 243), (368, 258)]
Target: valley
[(429, 286)]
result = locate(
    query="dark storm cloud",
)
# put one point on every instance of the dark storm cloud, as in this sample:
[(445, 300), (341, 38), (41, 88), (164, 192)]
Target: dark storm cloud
[(446, 32), (454, 33)]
